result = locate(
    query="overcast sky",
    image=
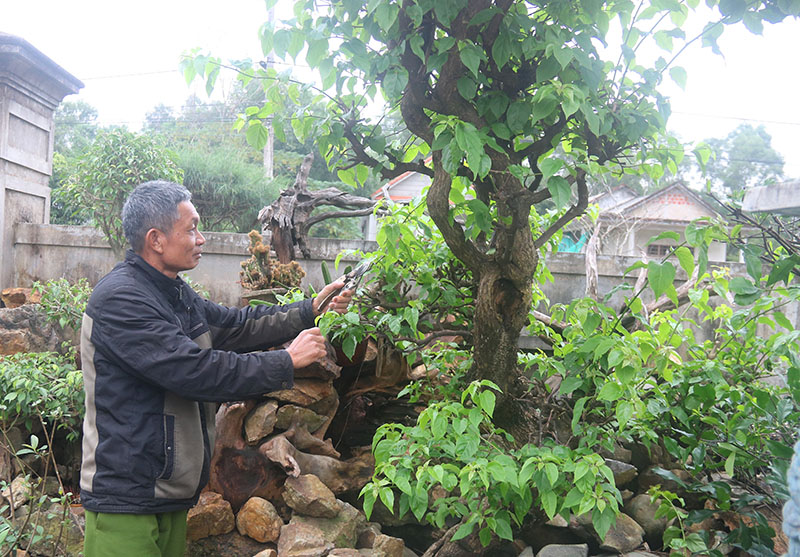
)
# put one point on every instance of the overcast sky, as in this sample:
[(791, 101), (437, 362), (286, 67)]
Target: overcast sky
[(127, 53)]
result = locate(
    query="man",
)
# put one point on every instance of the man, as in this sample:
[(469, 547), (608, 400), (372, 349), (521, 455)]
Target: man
[(156, 358)]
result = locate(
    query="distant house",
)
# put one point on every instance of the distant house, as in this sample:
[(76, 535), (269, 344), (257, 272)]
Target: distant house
[(628, 221), (401, 189)]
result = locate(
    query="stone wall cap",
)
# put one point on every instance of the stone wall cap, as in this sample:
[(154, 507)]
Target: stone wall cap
[(14, 46)]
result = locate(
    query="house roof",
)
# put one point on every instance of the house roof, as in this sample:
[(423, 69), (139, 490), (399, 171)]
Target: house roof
[(620, 203), (396, 184)]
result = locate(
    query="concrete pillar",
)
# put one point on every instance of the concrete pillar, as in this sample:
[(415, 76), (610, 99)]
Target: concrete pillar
[(31, 87)]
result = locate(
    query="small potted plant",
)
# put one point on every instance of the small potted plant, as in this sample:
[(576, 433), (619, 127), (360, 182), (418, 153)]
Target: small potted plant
[(264, 278)]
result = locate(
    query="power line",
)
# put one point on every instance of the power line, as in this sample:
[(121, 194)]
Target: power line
[(124, 75), (174, 70), (739, 118)]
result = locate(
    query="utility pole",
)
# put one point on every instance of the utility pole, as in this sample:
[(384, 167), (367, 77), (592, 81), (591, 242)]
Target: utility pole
[(269, 170)]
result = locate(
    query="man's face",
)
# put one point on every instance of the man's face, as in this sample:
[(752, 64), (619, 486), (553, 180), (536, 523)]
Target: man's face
[(183, 245)]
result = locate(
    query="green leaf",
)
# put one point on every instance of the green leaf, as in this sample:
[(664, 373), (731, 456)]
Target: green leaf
[(611, 391), (387, 497), (471, 56), (369, 500), (501, 49), (550, 166), (466, 87), (679, 76), (549, 503), (547, 69), (544, 107), (551, 471), (317, 50), (395, 81), (576, 414), (782, 269), (518, 115), (503, 528), (257, 135), (488, 399), (729, 462), (560, 190), (660, 276), (686, 259), (669, 234), (755, 267), (463, 531)]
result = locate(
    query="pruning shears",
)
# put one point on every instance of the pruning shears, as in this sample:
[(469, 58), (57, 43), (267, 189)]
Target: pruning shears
[(351, 282)]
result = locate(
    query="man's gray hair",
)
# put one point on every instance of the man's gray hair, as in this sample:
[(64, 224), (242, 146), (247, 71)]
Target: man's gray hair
[(151, 205)]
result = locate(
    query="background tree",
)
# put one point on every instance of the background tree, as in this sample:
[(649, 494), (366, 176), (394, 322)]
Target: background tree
[(489, 90), (741, 160), (75, 128), (116, 162)]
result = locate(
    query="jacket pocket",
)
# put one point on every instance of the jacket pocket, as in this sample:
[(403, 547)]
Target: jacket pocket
[(169, 447)]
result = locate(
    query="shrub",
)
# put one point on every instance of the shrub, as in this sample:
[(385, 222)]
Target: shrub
[(44, 386)]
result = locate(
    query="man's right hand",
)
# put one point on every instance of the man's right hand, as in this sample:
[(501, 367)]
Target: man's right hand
[(307, 348)]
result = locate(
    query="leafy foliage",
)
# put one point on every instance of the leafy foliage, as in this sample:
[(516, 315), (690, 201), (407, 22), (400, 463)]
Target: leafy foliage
[(117, 162), (455, 450), (63, 302), (45, 385)]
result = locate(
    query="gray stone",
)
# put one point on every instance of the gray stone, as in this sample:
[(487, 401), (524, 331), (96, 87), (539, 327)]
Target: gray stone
[(290, 414), (341, 531), (366, 537), (624, 473), (527, 552), (211, 516), (19, 492), (624, 536), (619, 453), (391, 547), (267, 553), (303, 540), (310, 497), (563, 550), (643, 511), (232, 543), (260, 422), (259, 520)]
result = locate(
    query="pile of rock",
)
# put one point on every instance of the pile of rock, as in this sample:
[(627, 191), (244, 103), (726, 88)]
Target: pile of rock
[(25, 328), (315, 524)]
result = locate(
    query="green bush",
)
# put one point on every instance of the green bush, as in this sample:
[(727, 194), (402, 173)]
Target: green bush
[(484, 480), (64, 302), (44, 386)]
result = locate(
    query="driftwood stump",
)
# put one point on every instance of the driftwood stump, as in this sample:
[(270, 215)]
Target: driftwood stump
[(289, 217)]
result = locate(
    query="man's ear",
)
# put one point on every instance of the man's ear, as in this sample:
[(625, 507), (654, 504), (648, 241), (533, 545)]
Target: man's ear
[(154, 240)]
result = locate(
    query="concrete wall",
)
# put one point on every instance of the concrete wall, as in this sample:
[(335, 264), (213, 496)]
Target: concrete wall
[(44, 252), (31, 87)]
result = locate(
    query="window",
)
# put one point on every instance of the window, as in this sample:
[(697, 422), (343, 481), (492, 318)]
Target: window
[(661, 250)]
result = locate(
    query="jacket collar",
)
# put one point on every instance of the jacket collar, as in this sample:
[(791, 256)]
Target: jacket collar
[(172, 288)]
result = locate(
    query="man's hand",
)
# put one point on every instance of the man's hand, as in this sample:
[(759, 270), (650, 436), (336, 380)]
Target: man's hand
[(307, 348), (340, 301)]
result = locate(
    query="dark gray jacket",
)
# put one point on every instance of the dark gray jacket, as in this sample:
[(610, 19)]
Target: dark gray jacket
[(156, 357)]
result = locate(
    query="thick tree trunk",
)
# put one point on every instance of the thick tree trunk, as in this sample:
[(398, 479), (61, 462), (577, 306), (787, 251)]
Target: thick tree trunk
[(501, 310)]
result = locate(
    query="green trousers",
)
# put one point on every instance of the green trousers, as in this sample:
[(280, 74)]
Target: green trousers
[(135, 535)]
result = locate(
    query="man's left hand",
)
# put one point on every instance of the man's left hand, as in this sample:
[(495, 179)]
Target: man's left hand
[(340, 301)]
